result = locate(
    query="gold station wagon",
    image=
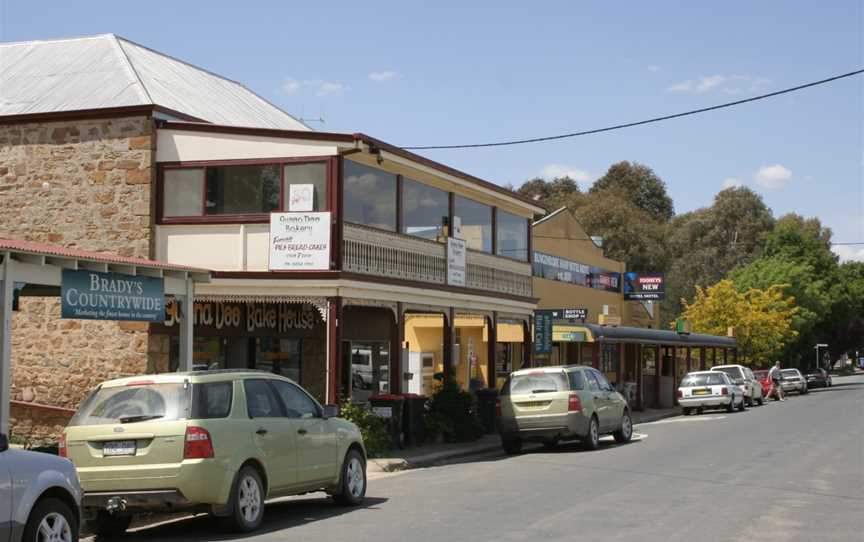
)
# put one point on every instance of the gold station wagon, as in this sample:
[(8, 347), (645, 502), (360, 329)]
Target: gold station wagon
[(215, 441)]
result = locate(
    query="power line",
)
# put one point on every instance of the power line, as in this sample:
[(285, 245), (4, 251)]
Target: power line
[(853, 243), (641, 122)]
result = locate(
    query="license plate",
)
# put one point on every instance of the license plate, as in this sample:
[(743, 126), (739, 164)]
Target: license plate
[(119, 447), (701, 392)]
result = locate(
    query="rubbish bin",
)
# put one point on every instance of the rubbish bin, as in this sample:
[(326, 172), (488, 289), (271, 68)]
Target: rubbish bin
[(412, 419), (486, 399), (390, 407)]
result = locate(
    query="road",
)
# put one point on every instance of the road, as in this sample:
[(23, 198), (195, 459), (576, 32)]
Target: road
[(785, 471)]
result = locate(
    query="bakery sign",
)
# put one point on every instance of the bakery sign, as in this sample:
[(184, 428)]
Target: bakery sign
[(247, 318)]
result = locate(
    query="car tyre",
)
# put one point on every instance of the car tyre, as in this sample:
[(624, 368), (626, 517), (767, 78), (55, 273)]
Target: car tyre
[(550, 444), (592, 439), (51, 519), (731, 406), (109, 525), (625, 432), (804, 391), (512, 446), (761, 400), (742, 406), (686, 411), (352, 481), (246, 507)]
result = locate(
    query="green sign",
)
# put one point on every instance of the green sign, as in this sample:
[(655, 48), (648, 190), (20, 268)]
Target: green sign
[(574, 336), (91, 295), (543, 331)]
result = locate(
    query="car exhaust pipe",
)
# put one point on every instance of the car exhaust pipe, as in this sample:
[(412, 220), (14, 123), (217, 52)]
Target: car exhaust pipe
[(115, 505)]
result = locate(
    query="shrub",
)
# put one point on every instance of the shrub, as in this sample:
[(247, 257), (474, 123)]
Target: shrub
[(451, 413), (375, 430)]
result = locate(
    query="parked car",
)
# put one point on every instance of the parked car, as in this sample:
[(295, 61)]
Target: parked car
[(793, 380), (702, 390), (818, 378), (743, 377), (762, 376), (40, 497), (552, 404), (214, 441)]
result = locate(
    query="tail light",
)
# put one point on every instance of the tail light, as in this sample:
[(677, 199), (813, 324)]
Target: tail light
[(198, 444), (498, 407), (680, 394), (61, 446), (724, 391), (574, 404)]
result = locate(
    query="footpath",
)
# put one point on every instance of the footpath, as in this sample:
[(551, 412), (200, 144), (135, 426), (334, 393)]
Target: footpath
[(431, 454)]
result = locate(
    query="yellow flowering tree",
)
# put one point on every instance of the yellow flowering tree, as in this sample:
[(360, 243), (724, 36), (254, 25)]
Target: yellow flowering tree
[(762, 319)]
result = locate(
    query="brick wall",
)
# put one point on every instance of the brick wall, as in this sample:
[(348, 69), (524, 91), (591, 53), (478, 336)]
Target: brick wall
[(83, 184)]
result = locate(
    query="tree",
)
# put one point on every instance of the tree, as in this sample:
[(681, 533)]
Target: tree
[(762, 319), (846, 322), (554, 194), (643, 188)]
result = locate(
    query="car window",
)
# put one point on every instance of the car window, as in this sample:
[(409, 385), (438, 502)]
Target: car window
[(137, 401), (212, 400), (601, 380), (789, 372), (704, 379), (260, 401), (748, 373), (297, 403), (733, 372), (538, 382), (593, 383), (577, 381)]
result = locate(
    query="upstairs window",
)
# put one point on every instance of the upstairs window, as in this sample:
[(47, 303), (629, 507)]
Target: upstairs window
[(512, 236), (241, 190), (476, 223), (424, 209), (369, 196)]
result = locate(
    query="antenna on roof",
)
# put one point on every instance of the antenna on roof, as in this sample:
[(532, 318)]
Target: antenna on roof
[(320, 118)]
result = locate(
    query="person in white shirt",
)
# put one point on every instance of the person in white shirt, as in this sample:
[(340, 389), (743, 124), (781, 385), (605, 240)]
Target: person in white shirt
[(775, 376)]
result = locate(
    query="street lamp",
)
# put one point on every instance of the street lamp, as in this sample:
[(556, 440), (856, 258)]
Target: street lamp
[(818, 346)]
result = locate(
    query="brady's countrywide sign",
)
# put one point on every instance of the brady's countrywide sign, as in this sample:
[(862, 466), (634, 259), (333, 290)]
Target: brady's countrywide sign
[(638, 287), (91, 295)]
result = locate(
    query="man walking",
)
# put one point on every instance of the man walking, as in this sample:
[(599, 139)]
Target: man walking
[(774, 375)]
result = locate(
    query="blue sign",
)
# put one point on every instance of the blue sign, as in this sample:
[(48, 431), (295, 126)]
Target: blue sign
[(543, 320), (639, 287), (91, 295)]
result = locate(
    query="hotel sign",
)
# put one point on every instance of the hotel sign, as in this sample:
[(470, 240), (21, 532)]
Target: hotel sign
[(299, 241), (91, 295), (638, 287)]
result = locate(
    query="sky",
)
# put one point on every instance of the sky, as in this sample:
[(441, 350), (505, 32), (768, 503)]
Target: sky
[(443, 72)]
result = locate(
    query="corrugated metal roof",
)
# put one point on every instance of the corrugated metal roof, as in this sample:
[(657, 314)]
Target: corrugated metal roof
[(106, 71)]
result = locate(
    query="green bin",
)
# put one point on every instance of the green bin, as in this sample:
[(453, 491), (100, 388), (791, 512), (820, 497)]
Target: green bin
[(412, 419), (391, 408)]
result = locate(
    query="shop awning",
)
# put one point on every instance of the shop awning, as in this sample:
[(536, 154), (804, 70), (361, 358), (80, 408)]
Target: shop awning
[(656, 337), (510, 333)]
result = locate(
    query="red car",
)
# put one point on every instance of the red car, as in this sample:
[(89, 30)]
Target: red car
[(762, 376)]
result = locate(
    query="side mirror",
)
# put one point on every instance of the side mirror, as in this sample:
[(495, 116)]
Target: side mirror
[(4, 442), (331, 411)]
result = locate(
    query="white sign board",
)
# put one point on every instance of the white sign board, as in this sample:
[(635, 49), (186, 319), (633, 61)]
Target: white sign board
[(300, 197), (383, 411), (457, 271), (299, 241)]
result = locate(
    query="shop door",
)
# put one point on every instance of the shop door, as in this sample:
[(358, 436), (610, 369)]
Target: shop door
[(365, 369)]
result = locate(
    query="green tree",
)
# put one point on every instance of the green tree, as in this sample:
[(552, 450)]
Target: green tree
[(642, 187), (554, 194), (762, 319)]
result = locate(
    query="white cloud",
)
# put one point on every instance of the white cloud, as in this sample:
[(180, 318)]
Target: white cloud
[(653, 68), (554, 171), (730, 84), (382, 76), (773, 177), (321, 88), (849, 253), (732, 182)]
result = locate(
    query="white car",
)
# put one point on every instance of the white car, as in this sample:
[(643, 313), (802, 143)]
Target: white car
[(743, 377), (793, 380), (702, 390), (40, 497)]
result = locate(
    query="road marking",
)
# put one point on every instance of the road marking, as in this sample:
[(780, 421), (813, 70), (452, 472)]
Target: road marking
[(687, 419)]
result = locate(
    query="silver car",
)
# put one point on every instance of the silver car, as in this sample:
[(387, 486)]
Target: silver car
[(793, 380), (40, 497), (702, 390), (743, 377)]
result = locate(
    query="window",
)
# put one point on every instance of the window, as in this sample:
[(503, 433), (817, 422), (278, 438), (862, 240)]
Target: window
[(212, 400), (537, 382), (423, 209), (576, 380), (604, 384), (314, 174), (236, 190), (183, 192), (512, 233), (476, 223), (260, 401), (297, 403), (369, 196), (593, 383), (134, 403)]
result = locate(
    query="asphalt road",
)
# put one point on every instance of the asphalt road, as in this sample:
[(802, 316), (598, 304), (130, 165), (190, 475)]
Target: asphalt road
[(785, 471)]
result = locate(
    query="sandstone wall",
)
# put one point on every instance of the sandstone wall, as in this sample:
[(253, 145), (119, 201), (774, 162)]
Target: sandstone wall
[(80, 184)]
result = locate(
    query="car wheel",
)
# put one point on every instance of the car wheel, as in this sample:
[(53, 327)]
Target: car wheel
[(592, 439), (550, 444), (761, 400), (247, 501), (353, 480), (625, 433), (742, 406), (109, 525), (512, 446), (804, 390), (51, 521), (685, 411)]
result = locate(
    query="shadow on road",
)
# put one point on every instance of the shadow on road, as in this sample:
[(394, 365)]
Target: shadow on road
[(278, 516)]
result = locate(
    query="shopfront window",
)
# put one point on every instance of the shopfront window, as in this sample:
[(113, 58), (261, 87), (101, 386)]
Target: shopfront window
[(369, 196), (512, 232), (423, 209), (278, 355), (233, 190), (309, 181), (476, 223), (366, 370)]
